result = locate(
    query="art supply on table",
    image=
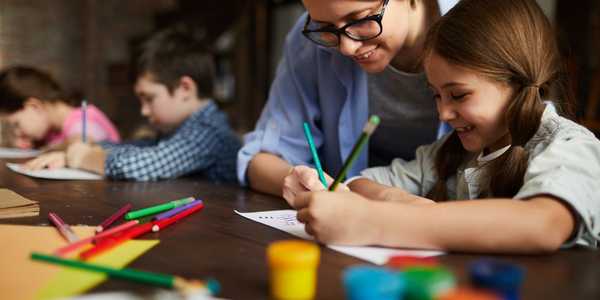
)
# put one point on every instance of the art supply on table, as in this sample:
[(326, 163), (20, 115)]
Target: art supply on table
[(463, 293), (369, 282), (426, 283), (315, 155), (176, 210), (157, 208), (362, 140), (110, 242), (189, 209), (286, 220), (401, 262), (70, 247), (63, 228), (501, 277), (83, 121), (162, 280), (123, 210), (14, 205), (293, 269)]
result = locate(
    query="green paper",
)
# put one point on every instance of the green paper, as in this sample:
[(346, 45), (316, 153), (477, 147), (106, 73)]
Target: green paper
[(71, 282)]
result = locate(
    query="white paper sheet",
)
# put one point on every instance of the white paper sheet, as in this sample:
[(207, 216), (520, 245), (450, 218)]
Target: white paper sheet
[(18, 153), (57, 174), (285, 220)]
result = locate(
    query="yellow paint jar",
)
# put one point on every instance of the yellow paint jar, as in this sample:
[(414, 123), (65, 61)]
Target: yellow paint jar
[(293, 269)]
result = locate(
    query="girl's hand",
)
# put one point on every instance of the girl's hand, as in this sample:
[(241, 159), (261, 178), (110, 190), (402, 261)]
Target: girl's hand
[(304, 179), (86, 156), (50, 160), (342, 218)]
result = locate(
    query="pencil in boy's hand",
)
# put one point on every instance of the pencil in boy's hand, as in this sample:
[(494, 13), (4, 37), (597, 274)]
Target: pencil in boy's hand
[(64, 229), (313, 150), (362, 140), (83, 120), (163, 280)]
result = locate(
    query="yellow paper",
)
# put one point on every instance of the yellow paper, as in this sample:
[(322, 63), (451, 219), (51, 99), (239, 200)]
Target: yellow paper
[(20, 277), (70, 281), (23, 278)]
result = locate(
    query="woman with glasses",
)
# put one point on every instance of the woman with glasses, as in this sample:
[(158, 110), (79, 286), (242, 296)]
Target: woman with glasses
[(343, 61)]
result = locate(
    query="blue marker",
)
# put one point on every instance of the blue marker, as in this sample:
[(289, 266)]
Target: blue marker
[(83, 120)]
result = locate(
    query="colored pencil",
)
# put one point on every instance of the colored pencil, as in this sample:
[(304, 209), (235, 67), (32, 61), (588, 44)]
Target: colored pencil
[(157, 208), (123, 210), (70, 247), (162, 280), (158, 225), (370, 126), (63, 228), (110, 242), (313, 150), (175, 211), (83, 120)]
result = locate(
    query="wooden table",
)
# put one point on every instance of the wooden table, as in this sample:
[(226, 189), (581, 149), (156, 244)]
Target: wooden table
[(220, 244)]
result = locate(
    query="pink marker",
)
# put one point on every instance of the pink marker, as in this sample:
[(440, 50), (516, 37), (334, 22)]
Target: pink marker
[(63, 228)]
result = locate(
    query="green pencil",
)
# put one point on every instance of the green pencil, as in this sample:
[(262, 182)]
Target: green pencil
[(362, 140), (313, 150), (157, 208), (162, 280)]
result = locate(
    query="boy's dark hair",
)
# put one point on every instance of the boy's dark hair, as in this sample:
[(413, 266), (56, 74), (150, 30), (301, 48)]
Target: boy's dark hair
[(19, 83), (175, 52)]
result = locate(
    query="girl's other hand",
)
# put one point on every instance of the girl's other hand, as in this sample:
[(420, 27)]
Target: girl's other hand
[(341, 218), (50, 160)]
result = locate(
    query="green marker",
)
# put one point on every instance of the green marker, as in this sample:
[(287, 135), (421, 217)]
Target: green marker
[(362, 140), (157, 208), (162, 280)]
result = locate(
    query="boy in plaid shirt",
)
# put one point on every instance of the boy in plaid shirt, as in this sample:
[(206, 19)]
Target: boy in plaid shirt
[(175, 86)]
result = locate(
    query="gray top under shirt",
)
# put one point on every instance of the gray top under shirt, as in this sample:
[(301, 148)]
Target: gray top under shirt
[(408, 115), (564, 161)]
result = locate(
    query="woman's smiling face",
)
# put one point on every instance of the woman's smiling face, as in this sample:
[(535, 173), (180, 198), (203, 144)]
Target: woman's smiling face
[(373, 55)]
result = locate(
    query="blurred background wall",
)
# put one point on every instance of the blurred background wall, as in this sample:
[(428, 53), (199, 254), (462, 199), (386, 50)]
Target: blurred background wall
[(90, 46)]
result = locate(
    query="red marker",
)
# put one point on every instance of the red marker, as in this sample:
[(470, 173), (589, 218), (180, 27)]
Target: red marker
[(158, 225), (110, 242), (114, 217), (70, 247)]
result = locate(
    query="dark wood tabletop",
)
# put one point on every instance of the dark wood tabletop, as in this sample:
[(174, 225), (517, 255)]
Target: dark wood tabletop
[(218, 243)]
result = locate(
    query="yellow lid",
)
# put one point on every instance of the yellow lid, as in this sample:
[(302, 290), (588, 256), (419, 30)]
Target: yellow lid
[(293, 253)]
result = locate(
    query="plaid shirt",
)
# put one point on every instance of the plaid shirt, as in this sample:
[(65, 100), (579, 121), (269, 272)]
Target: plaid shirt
[(204, 144)]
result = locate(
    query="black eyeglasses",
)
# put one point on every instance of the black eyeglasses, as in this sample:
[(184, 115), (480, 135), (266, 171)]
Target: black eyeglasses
[(359, 30)]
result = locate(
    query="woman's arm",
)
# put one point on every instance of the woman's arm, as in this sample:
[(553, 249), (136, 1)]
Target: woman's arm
[(540, 224), (266, 173)]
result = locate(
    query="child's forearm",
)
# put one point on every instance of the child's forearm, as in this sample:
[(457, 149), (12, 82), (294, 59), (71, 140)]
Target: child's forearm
[(376, 191), (493, 225)]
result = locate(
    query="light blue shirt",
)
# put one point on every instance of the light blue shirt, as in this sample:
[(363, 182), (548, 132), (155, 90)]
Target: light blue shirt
[(320, 86)]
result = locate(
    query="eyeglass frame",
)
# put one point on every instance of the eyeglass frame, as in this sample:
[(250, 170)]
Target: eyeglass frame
[(339, 31)]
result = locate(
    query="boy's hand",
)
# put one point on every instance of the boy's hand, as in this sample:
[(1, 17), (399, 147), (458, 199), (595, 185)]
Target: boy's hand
[(50, 160), (86, 156), (337, 217), (304, 179)]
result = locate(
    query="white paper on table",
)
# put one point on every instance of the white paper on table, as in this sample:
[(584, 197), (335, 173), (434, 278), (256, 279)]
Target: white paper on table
[(58, 174), (285, 220), (18, 153)]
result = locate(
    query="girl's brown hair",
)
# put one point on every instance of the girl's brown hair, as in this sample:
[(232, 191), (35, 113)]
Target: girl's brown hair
[(508, 41), (19, 83)]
